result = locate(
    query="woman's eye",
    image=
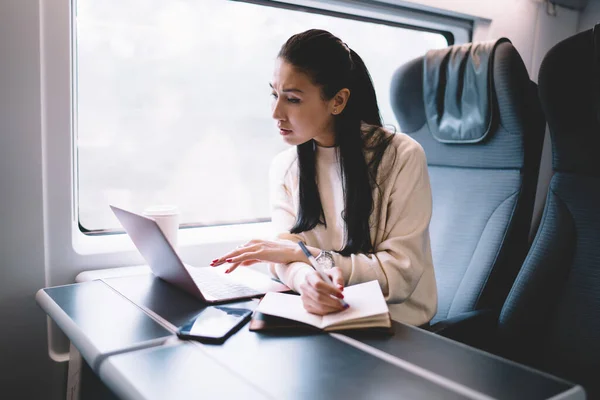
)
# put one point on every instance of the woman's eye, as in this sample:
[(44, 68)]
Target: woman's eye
[(293, 100), (274, 95)]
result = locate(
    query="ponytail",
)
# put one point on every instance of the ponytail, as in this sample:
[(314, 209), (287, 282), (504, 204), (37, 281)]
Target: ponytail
[(364, 92)]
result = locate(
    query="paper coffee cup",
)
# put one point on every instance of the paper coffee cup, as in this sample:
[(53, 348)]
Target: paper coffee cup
[(167, 218)]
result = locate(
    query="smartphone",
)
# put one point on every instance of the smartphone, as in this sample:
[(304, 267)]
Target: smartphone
[(214, 324)]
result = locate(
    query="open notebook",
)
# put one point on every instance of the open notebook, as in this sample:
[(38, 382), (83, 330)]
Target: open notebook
[(368, 309)]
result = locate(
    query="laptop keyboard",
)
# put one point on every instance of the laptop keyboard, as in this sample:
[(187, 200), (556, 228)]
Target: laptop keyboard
[(219, 287)]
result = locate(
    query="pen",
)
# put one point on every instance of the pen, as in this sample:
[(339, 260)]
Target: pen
[(317, 268)]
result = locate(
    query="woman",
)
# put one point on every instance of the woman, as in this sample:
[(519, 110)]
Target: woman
[(356, 195)]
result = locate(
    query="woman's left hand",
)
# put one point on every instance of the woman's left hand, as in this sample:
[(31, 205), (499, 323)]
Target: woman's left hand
[(255, 251)]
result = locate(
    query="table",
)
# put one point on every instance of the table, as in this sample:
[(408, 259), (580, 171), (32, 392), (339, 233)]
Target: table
[(124, 328)]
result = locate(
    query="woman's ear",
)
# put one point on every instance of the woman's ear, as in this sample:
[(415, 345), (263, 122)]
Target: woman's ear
[(339, 101)]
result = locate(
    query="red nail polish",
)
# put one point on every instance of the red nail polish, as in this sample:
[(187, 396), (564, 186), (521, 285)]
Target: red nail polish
[(228, 260)]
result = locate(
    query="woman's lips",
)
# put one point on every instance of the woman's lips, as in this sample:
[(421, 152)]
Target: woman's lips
[(284, 132)]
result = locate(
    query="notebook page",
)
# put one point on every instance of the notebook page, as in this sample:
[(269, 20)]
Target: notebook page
[(365, 300), (287, 306)]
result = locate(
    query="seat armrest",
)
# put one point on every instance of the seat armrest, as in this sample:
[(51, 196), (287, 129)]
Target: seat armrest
[(476, 328)]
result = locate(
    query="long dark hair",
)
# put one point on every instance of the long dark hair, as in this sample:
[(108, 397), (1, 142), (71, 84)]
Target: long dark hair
[(333, 66)]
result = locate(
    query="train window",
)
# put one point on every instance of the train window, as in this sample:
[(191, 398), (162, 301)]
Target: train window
[(172, 100)]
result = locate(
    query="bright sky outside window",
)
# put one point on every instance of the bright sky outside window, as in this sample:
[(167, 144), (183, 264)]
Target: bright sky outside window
[(173, 101)]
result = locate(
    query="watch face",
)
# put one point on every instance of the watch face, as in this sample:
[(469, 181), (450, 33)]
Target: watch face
[(325, 260)]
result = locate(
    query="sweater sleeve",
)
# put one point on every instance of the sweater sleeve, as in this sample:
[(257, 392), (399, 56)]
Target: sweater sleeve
[(399, 260), (283, 217)]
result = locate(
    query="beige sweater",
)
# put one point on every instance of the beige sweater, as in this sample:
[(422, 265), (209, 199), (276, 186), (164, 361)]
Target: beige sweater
[(402, 261)]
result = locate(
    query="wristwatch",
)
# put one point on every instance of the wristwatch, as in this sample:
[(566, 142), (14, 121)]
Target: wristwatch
[(325, 260)]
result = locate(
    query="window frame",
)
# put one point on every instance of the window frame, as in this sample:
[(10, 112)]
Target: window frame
[(371, 11)]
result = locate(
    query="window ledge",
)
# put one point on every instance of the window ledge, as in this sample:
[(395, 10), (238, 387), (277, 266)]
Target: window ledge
[(189, 237)]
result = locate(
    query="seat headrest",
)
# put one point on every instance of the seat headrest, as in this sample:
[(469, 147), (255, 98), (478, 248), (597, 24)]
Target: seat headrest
[(458, 91), (570, 97), (504, 99)]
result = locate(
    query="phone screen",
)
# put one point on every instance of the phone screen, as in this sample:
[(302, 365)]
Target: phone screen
[(215, 324)]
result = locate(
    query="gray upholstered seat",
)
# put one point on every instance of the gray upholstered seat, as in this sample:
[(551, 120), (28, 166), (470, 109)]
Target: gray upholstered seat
[(551, 318), (475, 111)]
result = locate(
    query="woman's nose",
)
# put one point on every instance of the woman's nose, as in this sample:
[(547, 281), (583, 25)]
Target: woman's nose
[(277, 111)]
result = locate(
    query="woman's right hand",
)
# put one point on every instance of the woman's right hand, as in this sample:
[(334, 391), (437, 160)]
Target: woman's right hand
[(319, 297)]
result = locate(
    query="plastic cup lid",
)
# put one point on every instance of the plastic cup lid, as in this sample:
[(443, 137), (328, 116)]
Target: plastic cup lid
[(161, 210)]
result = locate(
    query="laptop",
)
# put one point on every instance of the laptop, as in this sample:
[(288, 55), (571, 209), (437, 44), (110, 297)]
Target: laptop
[(209, 284)]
